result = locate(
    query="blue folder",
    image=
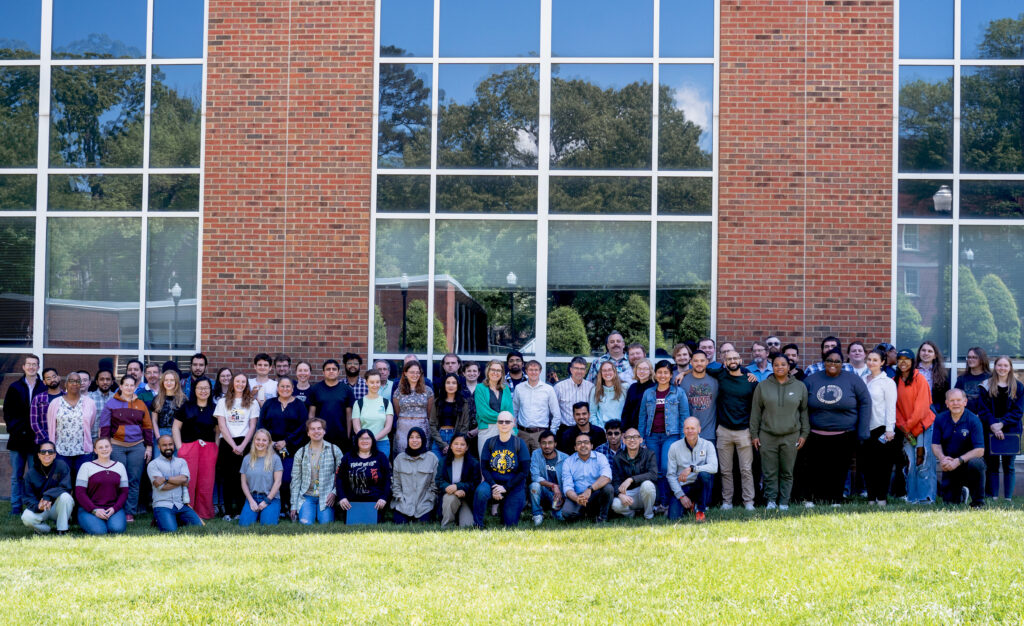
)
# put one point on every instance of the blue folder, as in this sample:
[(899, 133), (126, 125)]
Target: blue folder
[(361, 513), (1009, 445)]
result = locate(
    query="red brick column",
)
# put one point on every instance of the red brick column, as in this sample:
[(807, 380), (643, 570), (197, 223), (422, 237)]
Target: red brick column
[(805, 161), (287, 188)]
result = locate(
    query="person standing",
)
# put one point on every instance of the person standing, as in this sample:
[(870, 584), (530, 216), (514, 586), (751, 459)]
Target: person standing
[(195, 436), (779, 427), (125, 421), (69, 420), (616, 355), (41, 403), (450, 415), (21, 440), (332, 402), (263, 386), (732, 434), (930, 363), (237, 413), (914, 419), (702, 395), (574, 389), (877, 451), (978, 371), (1000, 407), (856, 358), (414, 404), (353, 364), (535, 407), (664, 409), (609, 396), (169, 399), (643, 379), (759, 367), (197, 372), (375, 413), (491, 398), (303, 372), (103, 392)]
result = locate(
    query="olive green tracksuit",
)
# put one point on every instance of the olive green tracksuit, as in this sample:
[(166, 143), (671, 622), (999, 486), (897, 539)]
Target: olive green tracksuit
[(778, 418)]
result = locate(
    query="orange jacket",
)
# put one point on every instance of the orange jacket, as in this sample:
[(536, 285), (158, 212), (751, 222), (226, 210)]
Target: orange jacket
[(913, 405)]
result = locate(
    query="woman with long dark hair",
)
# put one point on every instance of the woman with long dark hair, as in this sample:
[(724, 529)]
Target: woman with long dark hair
[(364, 474), (451, 415), (931, 365), (914, 419), (195, 437), (413, 404), (457, 479), (978, 371), (877, 451)]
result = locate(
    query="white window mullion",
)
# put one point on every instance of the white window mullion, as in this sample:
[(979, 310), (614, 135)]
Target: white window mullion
[(43, 162), (543, 185), (144, 230)]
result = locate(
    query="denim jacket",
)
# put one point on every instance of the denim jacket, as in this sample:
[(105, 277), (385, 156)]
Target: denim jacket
[(677, 409)]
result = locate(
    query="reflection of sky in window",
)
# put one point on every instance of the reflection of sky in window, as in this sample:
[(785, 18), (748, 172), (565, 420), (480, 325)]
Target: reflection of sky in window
[(926, 29), (602, 28), (605, 76), (19, 25), (185, 80), (482, 28), (102, 27), (119, 109), (936, 75), (691, 87), (975, 18), (458, 82), (178, 29), (687, 28), (422, 71), (408, 25)]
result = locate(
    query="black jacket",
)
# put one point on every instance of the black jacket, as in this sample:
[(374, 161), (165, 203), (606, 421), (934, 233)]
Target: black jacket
[(17, 402), (634, 400), (643, 467), (470, 475), (45, 483)]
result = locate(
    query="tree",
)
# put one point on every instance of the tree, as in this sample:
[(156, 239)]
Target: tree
[(19, 116), (566, 332), (1004, 312), (380, 330), (403, 131), (908, 322), (695, 321), (633, 322), (976, 325), (416, 329), (926, 131)]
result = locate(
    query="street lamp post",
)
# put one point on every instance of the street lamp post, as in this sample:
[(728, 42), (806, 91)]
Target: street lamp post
[(175, 292), (511, 280), (404, 284)]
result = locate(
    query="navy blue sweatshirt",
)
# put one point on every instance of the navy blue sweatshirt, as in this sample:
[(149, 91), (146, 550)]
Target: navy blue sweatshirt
[(841, 403), (505, 463)]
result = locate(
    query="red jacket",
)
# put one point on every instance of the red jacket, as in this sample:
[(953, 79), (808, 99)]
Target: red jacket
[(913, 405)]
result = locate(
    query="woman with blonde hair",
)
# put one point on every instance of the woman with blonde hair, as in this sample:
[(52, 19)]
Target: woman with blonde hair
[(261, 475), (491, 397), (643, 379), (169, 400), (608, 397), (1000, 406)]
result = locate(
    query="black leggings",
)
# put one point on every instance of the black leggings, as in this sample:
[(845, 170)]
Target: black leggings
[(228, 466)]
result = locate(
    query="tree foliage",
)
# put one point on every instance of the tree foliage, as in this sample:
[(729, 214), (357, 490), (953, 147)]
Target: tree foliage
[(1004, 313), (566, 332), (908, 322), (416, 329), (380, 330), (977, 327)]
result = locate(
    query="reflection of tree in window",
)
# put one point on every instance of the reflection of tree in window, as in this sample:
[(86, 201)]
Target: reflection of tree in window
[(992, 123), (403, 129), (595, 128), (93, 259), (175, 134), (19, 116), (17, 260), (926, 128)]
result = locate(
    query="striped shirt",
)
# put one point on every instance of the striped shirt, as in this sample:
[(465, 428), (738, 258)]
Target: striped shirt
[(568, 394)]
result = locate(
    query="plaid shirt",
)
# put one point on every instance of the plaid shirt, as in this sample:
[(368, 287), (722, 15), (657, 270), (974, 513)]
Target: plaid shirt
[(101, 401), (359, 390), (37, 415)]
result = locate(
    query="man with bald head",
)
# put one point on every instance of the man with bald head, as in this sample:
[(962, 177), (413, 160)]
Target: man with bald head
[(692, 464)]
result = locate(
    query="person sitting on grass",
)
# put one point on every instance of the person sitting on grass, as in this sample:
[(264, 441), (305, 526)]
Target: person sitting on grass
[(313, 472), (634, 474), (101, 490), (412, 486), (261, 475), (47, 492), (959, 445), (692, 464), (169, 476), (586, 482), (457, 479), (364, 474), (505, 464), (546, 478)]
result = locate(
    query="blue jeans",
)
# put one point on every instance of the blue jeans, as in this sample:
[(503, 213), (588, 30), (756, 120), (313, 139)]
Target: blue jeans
[(384, 447), (540, 498), (134, 460), (168, 519), (659, 443), (267, 517), (18, 461), (699, 492), (76, 462), (921, 484), (309, 512), (993, 464), (512, 505), (447, 434), (95, 526)]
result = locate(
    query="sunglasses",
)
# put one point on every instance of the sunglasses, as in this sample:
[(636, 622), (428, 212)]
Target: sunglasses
[(504, 421), (47, 452)]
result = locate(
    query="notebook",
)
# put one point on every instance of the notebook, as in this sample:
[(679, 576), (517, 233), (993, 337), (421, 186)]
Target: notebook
[(361, 513), (1009, 445)]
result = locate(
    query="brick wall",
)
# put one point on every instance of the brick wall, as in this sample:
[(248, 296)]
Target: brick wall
[(805, 160), (287, 196)]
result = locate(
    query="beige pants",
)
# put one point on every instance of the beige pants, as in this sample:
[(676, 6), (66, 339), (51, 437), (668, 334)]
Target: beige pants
[(452, 507), (532, 439), (643, 499), (738, 440), (59, 512)]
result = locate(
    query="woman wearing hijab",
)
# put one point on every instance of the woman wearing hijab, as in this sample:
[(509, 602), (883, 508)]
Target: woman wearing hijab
[(412, 488), (457, 479), (364, 474)]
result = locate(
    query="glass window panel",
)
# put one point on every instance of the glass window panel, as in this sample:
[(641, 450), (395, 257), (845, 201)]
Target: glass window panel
[(66, 363), (926, 29), (487, 194), (172, 272), (175, 132), (485, 290), (17, 271), (992, 127), (108, 29), (687, 28), (991, 29), (403, 194), (177, 29), (992, 198), (684, 196), (924, 198), (926, 119), (488, 116), (403, 127), (601, 116), (599, 276), (991, 286), (602, 28), (19, 116), (685, 102), (92, 282), (95, 192), (684, 283), (174, 192), (925, 254), (470, 28), (406, 28), (400, 288), (19, 29), (17, 192), (96, 117), (600, 194)]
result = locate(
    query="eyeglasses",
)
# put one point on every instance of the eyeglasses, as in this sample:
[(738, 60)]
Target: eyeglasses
[(631, 437), (833, 362), (504, 421), (774, 343), (47, 452), (74, 381)]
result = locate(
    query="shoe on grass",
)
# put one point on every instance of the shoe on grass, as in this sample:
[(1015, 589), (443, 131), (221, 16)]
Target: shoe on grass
[(129, 518), (538, 520), (726, 506), (808, 504), (749, 506), (965, 494), (699, 516), (783, 507), (771, 506)]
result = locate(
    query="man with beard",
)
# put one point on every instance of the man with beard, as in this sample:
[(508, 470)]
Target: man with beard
[(197, 372), (40, 404), (169, 476), (792, 352), (616, 347), (735, 392), (283, 366), (104, 391), (353, 363), (21, 438), (514, 366), (450, 364), (702, 394)]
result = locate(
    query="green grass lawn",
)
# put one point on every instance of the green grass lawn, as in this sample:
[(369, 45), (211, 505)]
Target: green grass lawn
[(903, 564)]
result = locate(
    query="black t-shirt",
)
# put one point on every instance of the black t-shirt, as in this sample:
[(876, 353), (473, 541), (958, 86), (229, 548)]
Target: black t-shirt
[(550, 466), (330, 403), (447, 415), (197, 422)]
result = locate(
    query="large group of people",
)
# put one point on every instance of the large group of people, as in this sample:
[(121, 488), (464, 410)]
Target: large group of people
[(619, 436)]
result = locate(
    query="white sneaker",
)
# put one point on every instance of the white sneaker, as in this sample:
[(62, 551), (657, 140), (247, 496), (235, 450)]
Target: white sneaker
[(227, 518), (808, 504), (538, 520), (726, 506), (771, 506), (836, 505), (783, 507), (749, 506), (880, 502), (965, 494)]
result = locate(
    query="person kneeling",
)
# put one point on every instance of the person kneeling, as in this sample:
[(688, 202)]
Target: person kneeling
[(457, 479), (586, 481), (101, 490), (412, 487), (692, 463), (505, 465), (959, 445), (47, 492), (261, 476), (546, 478), (634, 474), (169, 476)]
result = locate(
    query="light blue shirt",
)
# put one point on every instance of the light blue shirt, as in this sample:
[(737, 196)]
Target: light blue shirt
[(578, 475), (604, 407), (761, 375)]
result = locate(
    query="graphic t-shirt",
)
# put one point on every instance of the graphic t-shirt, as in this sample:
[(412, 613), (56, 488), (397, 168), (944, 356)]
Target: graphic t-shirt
[(237, 418), (658, 424), (702, 394)]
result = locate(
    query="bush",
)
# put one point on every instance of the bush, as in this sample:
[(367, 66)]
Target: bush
[(380, 330), (908, 322), (1004, 312), (633, 322), (416, 330), (696, 318), (566, 332), (977, 326)]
